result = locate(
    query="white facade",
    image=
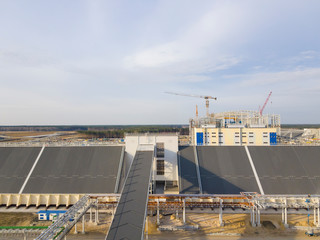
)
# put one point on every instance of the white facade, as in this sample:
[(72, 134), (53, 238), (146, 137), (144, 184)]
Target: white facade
[(170, 143)]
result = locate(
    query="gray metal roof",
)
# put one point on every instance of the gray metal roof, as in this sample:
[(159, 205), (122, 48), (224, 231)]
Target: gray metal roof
[(225, 170), (15, 164), (129, 219), (89, 169), (187, 171), (288, 169)]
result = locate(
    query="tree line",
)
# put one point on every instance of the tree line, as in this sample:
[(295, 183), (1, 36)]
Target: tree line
[(120, 133)]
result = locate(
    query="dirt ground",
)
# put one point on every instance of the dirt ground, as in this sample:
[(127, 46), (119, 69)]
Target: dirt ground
[(236, 226)]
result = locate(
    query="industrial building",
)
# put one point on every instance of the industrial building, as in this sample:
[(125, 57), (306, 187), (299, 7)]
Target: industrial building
[(235, 128)]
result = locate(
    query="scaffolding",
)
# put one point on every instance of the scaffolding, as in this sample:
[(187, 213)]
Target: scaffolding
[(242, 118)]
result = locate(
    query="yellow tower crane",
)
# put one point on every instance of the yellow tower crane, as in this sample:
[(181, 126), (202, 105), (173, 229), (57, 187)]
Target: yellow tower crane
[(197, 96)]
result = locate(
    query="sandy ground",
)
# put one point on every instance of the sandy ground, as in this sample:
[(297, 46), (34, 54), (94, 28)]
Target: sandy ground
[(236, 226)]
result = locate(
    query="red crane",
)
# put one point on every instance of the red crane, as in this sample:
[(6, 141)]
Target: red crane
[(265, 103)]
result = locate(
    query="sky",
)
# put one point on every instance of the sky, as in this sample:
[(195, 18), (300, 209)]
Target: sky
[(110, 62)]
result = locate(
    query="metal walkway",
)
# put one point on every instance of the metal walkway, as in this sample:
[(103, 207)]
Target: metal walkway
[(129, 219), (64, 224)]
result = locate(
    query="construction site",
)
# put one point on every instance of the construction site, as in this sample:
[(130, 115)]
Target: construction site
[(233, 180)]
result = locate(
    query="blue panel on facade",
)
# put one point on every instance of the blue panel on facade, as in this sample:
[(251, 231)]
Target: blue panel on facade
[(50, 214), (199, 138), (273, 138)]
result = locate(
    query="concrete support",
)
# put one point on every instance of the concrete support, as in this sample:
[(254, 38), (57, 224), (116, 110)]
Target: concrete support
[(253, 224), (97, 213), (147, 235), (158, 215), (315, 216), (184, 211), (220, 214), (285, 214), (177, 214), (286, 217), (75, 227), (83, 223), (90, 211), (282, 215), (318, 223), (258, 218)]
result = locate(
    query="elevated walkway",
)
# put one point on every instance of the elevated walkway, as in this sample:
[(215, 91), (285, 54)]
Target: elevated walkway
[(129, 219)]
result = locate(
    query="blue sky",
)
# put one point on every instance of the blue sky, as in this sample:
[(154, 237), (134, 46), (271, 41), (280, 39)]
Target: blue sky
[(110, 62)]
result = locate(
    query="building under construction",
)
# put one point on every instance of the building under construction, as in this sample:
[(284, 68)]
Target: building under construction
[(235, 128)]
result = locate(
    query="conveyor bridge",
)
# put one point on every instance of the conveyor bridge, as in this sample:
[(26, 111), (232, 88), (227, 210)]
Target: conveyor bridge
[(129, 219)]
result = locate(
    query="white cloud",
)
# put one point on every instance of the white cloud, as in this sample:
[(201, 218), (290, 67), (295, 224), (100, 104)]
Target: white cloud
[(201, 48), (299, 77)]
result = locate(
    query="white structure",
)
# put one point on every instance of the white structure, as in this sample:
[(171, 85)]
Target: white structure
[(165, 166)]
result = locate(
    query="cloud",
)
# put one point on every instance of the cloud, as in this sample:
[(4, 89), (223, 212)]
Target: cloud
[(307, 76), (199, 49)]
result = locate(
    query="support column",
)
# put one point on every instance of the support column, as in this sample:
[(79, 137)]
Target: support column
[(90, 215), (97, 212), (75, 226), (184, 211), (315, 216), (253, 224), (83, 223), (147, 235), (177, 214), (220, 214), (282, 218), (285, 214), (258, 218), (158, 216), (318, 223)]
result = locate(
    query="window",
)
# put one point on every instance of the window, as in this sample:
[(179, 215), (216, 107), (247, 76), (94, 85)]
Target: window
[(160, 167), (160, 150)]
